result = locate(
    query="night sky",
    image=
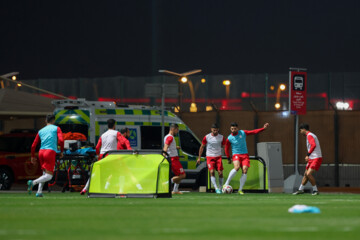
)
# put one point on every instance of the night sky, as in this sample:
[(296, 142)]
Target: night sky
[(65, 39)]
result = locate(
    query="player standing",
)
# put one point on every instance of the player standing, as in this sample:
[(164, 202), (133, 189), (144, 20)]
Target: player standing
[(313, 159), (214, 141), (124, 143), (171, 148), (107, 142), (240, 156), (49, 137)]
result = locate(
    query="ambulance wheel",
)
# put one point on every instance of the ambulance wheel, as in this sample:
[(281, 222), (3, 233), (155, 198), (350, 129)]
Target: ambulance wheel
[(6, 179)]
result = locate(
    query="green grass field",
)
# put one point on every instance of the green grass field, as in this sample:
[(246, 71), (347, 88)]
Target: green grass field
[(68, 216)]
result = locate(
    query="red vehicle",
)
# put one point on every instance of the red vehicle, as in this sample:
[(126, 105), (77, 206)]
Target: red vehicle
[(15, 154)]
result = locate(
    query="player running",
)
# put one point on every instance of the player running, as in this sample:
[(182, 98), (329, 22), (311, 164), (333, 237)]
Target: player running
[(49, 137), (171, 148), (124, 143), (214, 141), (313, 159), (240, 157), (107, 142)]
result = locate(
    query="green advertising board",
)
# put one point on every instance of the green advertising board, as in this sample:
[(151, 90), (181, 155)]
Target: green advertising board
[(256, 176)]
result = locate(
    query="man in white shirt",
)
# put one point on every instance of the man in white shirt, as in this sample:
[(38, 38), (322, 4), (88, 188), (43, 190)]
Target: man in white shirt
[(107, 142), (313, 159), (171, 149), (214, 141)]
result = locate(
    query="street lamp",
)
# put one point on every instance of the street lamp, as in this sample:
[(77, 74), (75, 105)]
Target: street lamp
[(184, 79), (227, 84), (6, 77), (282, 87)]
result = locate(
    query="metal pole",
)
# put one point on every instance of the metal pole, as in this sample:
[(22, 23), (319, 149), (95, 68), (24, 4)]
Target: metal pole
[(336, 150), (296, 144), (266, 91), (162, 113)]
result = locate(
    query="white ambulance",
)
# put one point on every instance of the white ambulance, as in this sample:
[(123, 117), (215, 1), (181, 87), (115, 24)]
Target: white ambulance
[(144, 122)]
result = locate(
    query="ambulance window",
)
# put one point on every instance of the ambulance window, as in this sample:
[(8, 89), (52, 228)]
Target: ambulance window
[(78, 128), (151, 137), (188, 143)]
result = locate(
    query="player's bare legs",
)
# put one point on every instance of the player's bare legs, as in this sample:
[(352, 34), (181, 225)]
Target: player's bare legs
[(177, 179), (236, 165), (308, 176)]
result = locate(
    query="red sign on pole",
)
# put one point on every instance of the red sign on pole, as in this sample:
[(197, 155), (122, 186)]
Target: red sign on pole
[(298, 92)]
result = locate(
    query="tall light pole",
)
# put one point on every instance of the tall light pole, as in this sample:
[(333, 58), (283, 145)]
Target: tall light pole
[(281, 87), (227, 84), (184, 79), (5, 77)]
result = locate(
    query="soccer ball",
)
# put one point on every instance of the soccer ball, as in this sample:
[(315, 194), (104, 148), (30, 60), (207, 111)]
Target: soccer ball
[(227, 189)]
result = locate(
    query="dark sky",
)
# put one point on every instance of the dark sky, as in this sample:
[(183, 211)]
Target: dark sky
[(63, 39)]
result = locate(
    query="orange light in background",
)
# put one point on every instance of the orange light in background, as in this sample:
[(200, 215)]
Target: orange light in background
[(193, 107), (226, 82), (277, 105), (19, 84), (272, 87), (282, 87), (184, 79), (209, 108), (203, 80)]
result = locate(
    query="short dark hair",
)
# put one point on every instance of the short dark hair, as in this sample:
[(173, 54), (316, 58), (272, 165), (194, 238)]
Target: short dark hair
[(50, 118), (304, 126), (111, 123), (174, 125), (214, 126), (124, 130), (233, 124)]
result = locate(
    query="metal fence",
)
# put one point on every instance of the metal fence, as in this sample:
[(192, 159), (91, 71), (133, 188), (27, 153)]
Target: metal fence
[(246, 91)]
